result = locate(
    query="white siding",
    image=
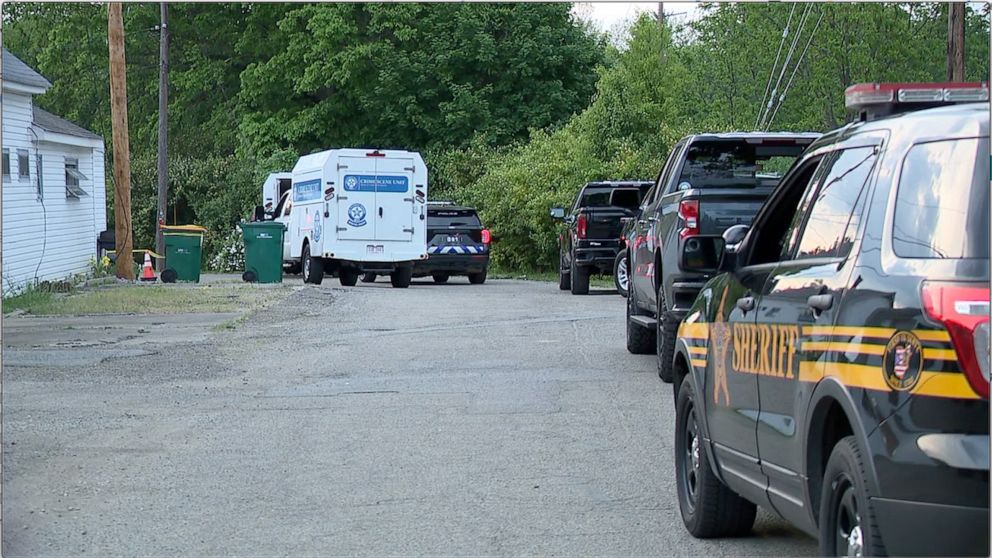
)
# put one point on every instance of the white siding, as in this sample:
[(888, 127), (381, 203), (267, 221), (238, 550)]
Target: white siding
[(55, 237)]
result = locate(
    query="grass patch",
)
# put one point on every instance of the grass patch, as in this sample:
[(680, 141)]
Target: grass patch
[(602, 281), (133, 299)]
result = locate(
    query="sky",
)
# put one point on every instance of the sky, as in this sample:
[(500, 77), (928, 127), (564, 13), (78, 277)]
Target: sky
[(612, 16)]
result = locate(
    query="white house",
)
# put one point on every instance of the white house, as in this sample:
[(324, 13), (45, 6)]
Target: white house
[(54, 196)]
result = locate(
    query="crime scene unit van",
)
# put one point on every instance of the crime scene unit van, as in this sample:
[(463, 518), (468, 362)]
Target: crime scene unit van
[(358, 211)]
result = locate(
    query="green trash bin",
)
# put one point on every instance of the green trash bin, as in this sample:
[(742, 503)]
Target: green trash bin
[(183, 246), (263, 251)]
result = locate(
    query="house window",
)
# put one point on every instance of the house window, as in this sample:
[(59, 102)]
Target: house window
[(6, 165), (73, 190), (23, 164)]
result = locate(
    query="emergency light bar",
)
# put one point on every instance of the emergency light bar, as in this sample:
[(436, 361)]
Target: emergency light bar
[(873, 100)]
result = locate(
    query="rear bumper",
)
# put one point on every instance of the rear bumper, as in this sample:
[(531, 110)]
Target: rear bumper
[(601, 258), (918, 529), (683, 291), (452, 263)]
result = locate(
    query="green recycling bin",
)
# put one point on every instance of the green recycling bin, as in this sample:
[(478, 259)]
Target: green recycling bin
[(183, 246), (263, 251)]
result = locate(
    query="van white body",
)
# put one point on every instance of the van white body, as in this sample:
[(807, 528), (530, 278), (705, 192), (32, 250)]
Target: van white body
[(276, 184), (359, 209)]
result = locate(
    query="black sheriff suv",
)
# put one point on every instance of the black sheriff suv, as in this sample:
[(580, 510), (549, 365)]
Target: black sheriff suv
[(836, 371)]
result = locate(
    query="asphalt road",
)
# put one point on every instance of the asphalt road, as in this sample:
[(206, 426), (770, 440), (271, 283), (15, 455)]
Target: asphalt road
[(501, 419)]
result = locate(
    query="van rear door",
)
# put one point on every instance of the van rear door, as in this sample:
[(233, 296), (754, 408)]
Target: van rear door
[(394, 207), (356, 204)]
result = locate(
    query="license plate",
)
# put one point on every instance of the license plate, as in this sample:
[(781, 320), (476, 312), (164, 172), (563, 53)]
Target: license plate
[(373, 248)]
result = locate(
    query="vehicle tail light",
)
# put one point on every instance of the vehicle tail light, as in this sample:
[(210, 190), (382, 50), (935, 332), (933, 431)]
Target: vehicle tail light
[(486, 236), (963, 308), (580, 226), (375, 154), (689, 213)]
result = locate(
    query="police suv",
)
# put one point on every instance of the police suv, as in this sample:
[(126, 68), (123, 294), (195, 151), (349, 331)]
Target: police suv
[(836, 371)]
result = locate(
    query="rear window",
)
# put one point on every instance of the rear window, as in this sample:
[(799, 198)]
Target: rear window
[(736, 163), (442, 218), (596, 196), (942, 204)]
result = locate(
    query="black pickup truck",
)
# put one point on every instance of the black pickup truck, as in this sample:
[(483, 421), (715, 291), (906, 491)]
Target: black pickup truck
[(594, 226), (709, 183)]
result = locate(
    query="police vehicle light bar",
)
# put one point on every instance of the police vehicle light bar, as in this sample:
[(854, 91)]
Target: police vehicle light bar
[(880, 99)]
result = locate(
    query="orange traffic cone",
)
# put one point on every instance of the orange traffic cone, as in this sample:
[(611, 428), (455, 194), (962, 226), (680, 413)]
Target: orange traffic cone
[(147, 273)]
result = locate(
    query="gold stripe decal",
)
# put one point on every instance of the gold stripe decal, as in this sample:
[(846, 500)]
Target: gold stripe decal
[(697, 351), (935, 384), (700, 363), (699, 331), (881, 333)]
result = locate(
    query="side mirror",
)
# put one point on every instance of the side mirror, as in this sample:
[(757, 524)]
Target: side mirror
[(558, 213), (702, 254), (734, 235)]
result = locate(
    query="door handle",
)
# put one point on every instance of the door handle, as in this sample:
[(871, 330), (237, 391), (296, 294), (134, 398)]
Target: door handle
[(820, 302), (380, 212), (746, 303)]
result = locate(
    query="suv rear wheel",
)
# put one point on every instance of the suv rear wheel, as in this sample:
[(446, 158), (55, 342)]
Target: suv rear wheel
[(621, 277), (440, 277), (847, 519), (709, 509), (478, 278), (368, 277)]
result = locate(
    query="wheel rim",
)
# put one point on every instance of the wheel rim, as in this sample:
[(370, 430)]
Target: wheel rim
[(306, 265), (690, 459), (849, 535), (622, 274)]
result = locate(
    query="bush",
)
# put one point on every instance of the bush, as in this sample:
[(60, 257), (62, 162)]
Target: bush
[(229, 252)]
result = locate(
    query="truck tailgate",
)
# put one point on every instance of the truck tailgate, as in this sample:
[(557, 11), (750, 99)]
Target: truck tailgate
[(604, 222), (720, 209)]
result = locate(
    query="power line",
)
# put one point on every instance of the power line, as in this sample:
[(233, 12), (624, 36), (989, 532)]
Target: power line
[(788, 58), (771, 73), (795, 70)]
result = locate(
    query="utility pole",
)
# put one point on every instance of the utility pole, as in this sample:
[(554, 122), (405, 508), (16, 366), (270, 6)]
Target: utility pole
[(163, 134), (661, 14), (955, 41), (122, 154)]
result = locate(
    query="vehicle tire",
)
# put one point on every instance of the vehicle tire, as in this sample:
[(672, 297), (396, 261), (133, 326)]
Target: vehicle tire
[(348, 276), (440, 277), (665, 336), (640, 340), (847, 518), (369, 277), (621, 277), (709, 508), (580, 279), (313, 267), (169, 275), (249, 276), (478, 278), (401, 277), (564, 277)]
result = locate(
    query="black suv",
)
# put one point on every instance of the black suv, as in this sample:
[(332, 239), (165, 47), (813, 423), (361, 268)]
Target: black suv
[(457, 244), (836, 372)]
